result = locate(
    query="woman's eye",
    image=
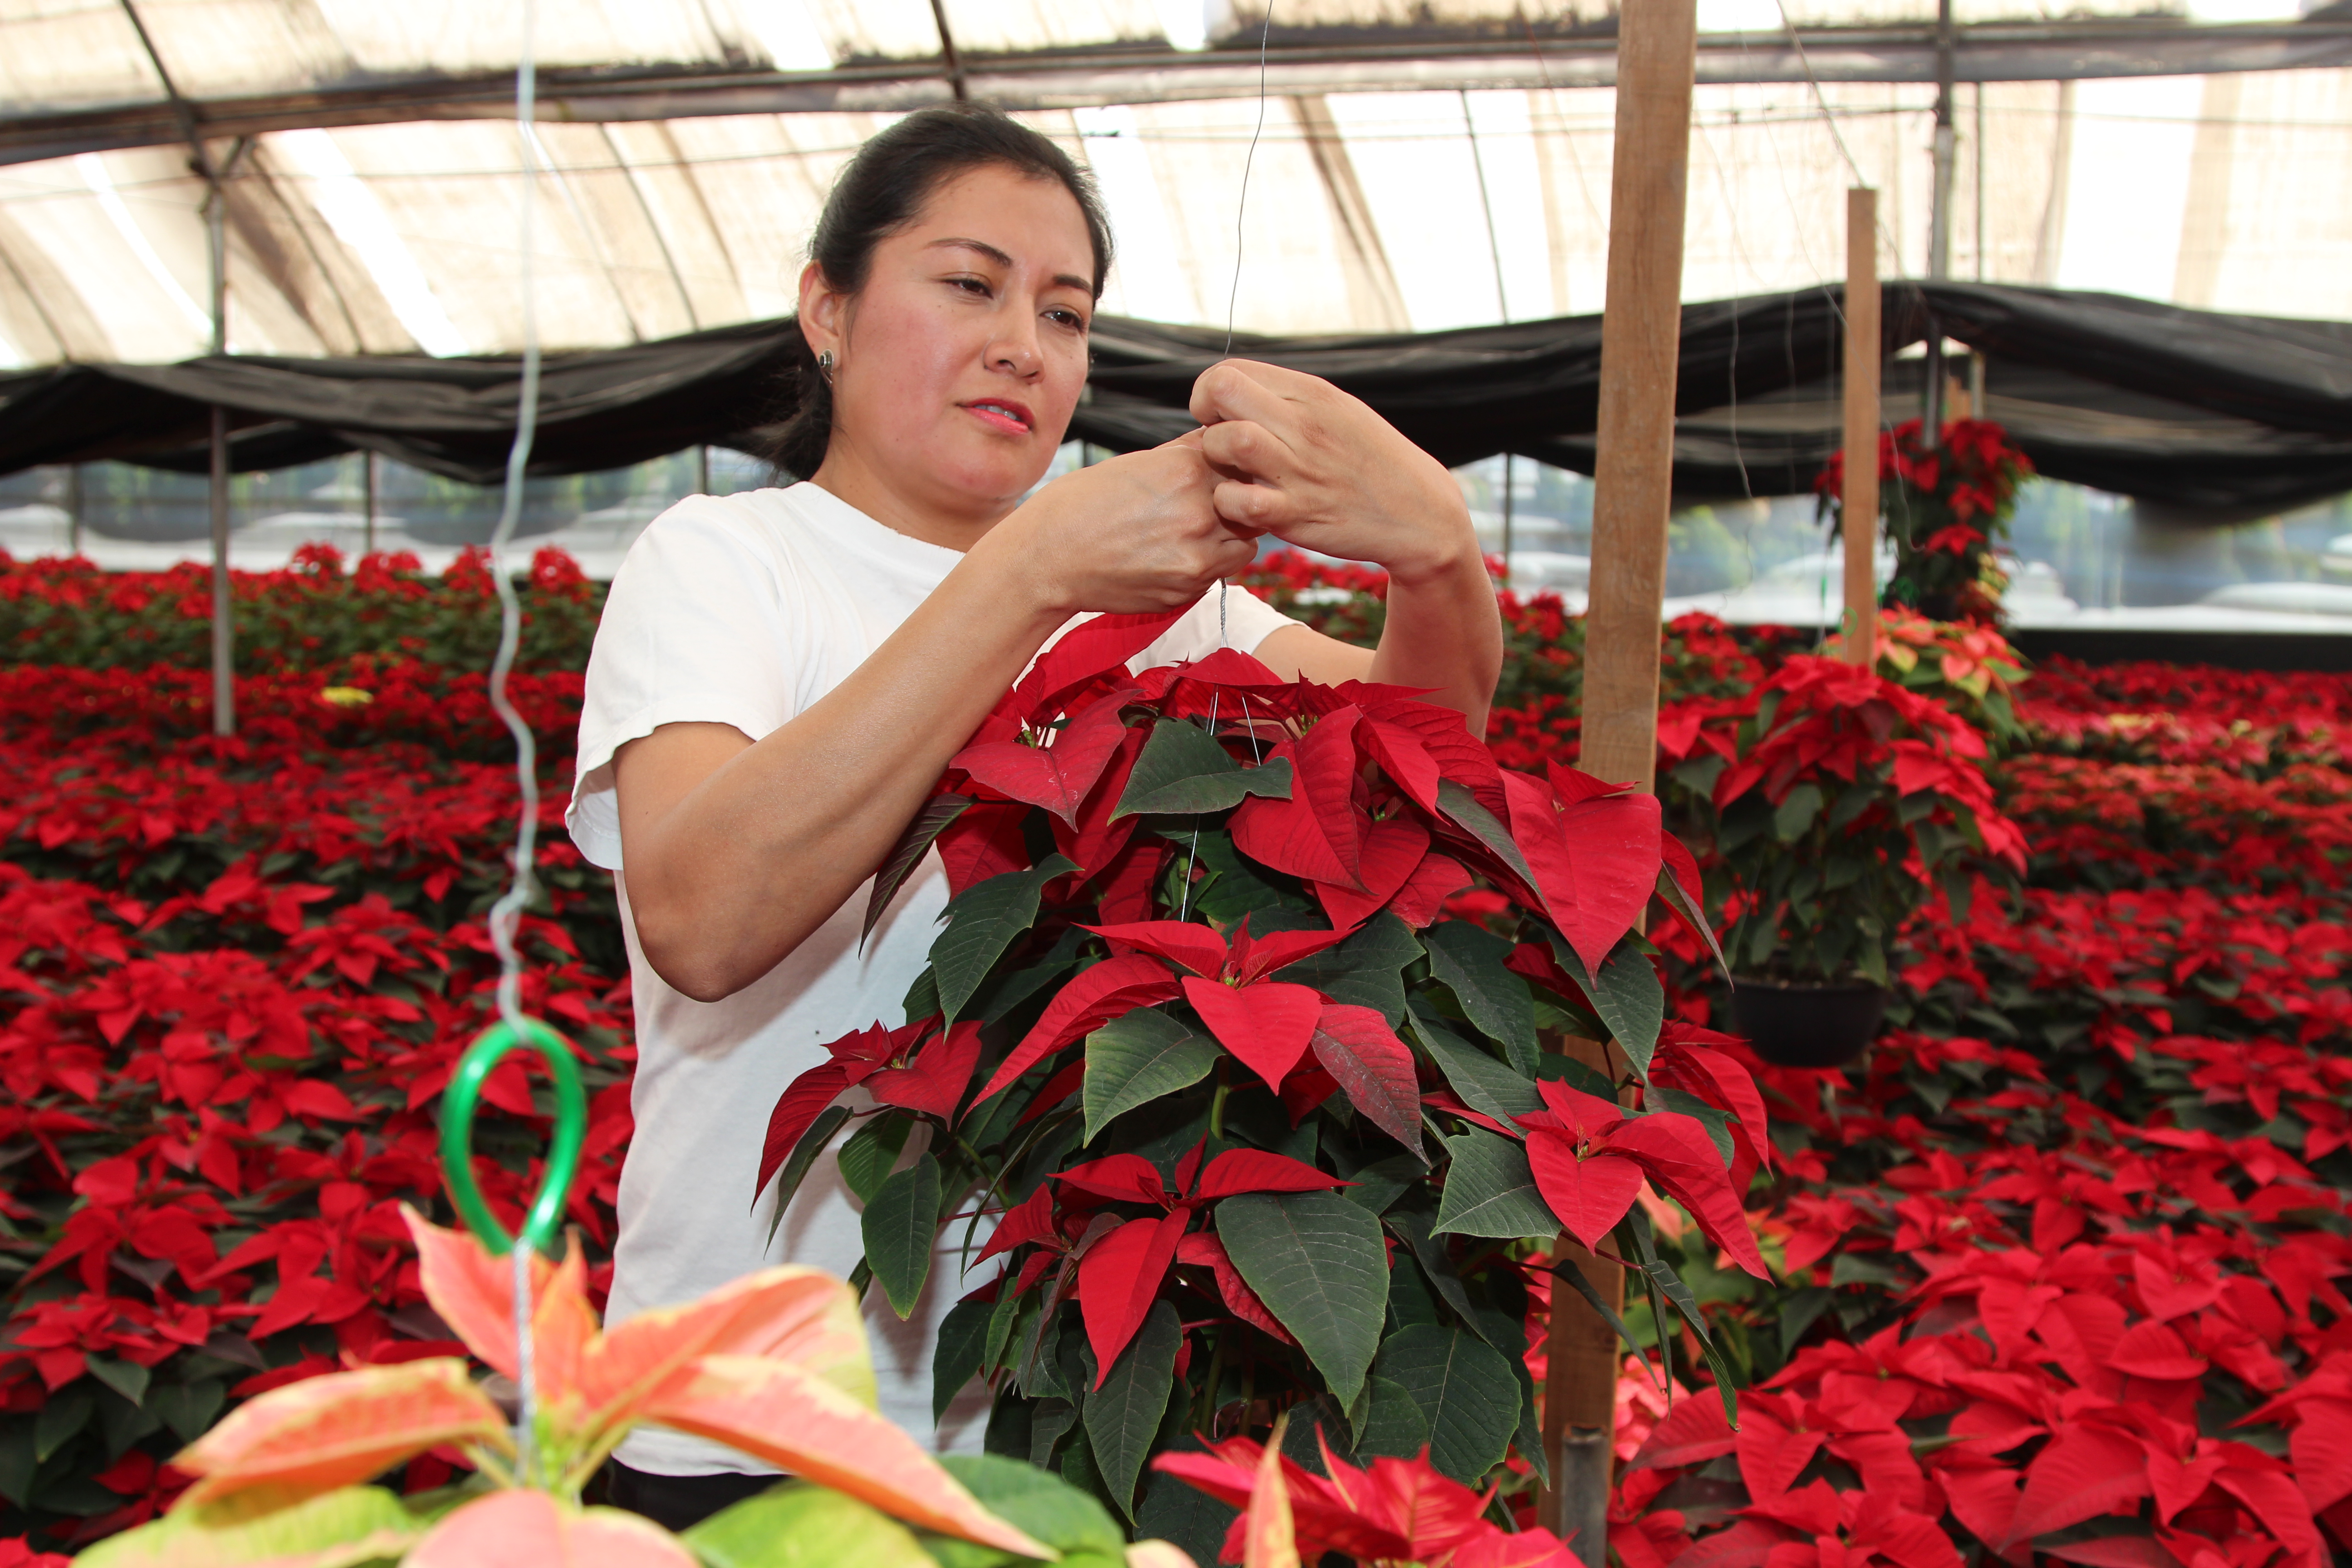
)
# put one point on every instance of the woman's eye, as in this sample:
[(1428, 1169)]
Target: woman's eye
[(1067, 318), (976, 285)]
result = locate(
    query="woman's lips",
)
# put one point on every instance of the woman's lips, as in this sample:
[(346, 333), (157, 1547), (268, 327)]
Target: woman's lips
[(1010, 418)]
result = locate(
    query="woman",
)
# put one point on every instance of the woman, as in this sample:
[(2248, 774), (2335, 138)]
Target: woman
[(780, 677)]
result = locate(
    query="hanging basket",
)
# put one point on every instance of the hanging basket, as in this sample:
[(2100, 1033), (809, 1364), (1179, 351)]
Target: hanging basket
[(1807, 1026)]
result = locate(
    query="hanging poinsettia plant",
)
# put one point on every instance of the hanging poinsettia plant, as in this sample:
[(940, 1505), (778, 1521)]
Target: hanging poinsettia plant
[(1259, 1122), (1945, 506)]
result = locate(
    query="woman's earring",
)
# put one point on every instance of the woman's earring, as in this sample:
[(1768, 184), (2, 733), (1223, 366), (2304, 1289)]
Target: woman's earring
[(825, 366)]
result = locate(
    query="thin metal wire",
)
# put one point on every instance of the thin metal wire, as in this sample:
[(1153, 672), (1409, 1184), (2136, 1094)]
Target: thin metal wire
[(505, 915), (1232, 299), (1233, 295)]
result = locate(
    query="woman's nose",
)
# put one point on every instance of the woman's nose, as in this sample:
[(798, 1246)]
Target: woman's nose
[(1017, 352)]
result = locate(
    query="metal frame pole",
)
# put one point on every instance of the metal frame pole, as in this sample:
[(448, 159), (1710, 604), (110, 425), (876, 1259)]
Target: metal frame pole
[(224, 624), (1940, 229), (1975, 356)]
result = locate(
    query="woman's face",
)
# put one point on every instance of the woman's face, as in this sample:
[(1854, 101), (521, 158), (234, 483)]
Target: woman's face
[(957, 365)]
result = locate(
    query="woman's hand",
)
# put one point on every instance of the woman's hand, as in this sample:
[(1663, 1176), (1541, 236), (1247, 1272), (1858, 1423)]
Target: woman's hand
[(1131, 535), (1306, 462)]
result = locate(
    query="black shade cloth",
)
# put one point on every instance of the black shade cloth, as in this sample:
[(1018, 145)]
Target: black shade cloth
[(2200, 409)]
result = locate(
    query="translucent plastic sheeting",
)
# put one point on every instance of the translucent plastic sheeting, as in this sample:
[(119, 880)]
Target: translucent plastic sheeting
[(1366, 212), (75, 54)]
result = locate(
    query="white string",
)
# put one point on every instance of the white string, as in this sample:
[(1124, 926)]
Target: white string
[(507, 913), (1233, 295), (1829, 116)]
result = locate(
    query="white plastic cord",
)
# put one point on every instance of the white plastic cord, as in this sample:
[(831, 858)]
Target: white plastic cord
[(507, 913)]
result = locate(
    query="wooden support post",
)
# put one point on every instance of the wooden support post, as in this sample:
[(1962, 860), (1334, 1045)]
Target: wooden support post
[(1860, 502), (1641, 338), (1581, 1403)]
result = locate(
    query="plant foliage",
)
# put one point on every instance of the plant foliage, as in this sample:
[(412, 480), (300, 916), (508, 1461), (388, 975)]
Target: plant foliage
[(1201, 1038)]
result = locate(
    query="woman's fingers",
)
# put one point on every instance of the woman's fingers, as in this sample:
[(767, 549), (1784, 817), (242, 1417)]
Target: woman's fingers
[(1261, 509), (1246, 389), (1244, 449)]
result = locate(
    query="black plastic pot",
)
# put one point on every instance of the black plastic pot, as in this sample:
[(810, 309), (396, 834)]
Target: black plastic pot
[(1807, 1026)]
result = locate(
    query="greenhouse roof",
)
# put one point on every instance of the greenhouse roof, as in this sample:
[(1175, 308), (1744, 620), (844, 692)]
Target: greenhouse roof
[(1412, 164)]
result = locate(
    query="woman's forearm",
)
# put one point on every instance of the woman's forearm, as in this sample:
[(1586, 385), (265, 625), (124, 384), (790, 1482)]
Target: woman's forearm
[(1444, 633), (730, 868)]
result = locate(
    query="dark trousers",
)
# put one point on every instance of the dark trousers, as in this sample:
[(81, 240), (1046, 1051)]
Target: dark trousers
[(678, 1502)]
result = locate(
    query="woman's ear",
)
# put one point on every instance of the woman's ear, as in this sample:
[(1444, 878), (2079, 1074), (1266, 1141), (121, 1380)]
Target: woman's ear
[(822, 311)]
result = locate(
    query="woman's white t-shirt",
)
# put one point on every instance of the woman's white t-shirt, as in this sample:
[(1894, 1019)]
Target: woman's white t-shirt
[(745, 610)]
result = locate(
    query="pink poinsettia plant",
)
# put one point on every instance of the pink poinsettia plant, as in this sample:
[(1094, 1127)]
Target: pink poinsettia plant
[(774, 1365), (1242, 1049)]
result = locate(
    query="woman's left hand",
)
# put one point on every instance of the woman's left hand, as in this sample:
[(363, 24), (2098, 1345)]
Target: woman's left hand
[(1305, 461)]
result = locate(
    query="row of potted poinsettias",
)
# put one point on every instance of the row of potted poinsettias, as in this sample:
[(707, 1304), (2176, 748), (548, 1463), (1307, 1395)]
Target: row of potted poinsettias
[(1259, 1119)]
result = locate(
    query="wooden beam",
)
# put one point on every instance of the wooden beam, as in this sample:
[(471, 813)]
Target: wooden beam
[(1641, 331), (1860, 501)]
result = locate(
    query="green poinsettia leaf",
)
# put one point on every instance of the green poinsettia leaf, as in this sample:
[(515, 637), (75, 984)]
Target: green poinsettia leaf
[(1508, 1334), (814, 1142), (1490, 1190), (798, 1525), (866, 1157), (908, 853), (1626, 993), (982, 920), (1138, 1059), (1464, 1390), (1125, 1414), (963, 1342), (1395, 1425), (899, 1226), (1412, 1227), (1318, 1263), (1717, 1122), (1039, 1504), (333, 1530), (1366, 970), (1469, 961), (1463, 809), (1483, 1083), (1182, 771)]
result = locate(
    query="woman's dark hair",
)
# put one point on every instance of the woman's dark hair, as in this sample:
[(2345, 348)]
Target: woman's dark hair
[(885, 185)]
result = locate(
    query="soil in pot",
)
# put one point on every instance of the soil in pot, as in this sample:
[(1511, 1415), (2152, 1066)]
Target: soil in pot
[(1807, 1026)]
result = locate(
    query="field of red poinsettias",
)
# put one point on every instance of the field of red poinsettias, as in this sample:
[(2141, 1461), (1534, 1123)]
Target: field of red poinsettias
[(2062, 1264)]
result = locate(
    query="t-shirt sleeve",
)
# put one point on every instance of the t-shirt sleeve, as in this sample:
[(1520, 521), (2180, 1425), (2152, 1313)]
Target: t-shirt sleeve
[(1248, 621), (696, 630)]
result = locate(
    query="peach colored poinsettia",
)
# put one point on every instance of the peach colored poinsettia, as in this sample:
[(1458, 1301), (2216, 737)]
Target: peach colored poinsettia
[(773, 1365)]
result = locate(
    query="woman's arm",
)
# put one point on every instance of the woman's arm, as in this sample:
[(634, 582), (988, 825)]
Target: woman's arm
[(737, 849), (1316, 467)]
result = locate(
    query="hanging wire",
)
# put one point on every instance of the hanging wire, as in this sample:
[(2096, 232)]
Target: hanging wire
[(505, 915), (1233, 295), (1241, 212), (1232, 302)]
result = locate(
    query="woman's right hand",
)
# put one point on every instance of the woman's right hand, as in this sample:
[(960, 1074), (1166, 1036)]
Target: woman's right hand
[(1134, 535)]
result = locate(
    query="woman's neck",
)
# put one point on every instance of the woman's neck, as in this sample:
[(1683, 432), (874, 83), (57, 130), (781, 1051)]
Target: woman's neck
[(949, 518)]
